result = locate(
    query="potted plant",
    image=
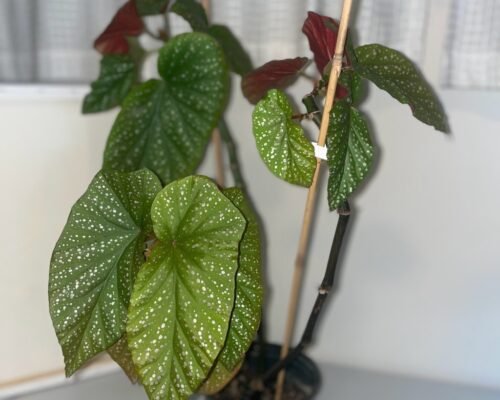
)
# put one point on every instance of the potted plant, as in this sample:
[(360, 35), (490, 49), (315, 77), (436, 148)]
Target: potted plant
[(161, 268)]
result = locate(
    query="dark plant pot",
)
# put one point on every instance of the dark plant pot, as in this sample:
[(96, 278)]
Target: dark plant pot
[(302, 373)]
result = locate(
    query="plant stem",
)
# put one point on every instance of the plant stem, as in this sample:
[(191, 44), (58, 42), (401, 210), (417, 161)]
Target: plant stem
[(323, 292), (234, 164), (311, 195), (151, 34), (312, 109), (219, 158)]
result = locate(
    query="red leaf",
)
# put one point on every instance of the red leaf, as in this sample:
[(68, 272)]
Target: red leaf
[(341, 92), (126, 22), (321, 32), (276, 74)]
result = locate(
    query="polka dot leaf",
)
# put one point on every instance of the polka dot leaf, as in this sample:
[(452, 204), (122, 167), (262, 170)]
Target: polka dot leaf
[(118, 73), (281, 141), (184, 294), (120, 353), (393, 72), (349, 154), (246, 316), (95, 261), (165, 125)]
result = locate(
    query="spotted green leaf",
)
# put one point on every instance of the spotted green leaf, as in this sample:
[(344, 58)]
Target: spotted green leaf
[(246, 315), (393, 72), (350, 152), (236, 56), (95, 261), (120, 353), (353, 85), (281, 141), (193, 12), (165, 125), (118, 73), (184, 294)]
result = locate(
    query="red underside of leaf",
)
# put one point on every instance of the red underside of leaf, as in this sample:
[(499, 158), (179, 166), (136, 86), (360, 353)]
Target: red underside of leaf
[(321, 32), (341, 92), (126, 22), (276, 74)]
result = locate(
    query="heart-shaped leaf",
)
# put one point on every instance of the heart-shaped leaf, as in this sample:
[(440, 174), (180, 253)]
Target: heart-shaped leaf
[(120, 354), (246, 315), (350, 152), (277, 74), (166, 125), (393, 72), (184, 294), (151, 7), (281, 141), (118, 73), (193, 12), (95, 261), (236, 56), (125, 23)]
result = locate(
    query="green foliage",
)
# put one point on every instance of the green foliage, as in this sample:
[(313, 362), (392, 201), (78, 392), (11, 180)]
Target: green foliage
[(354, 85), (120, 354), (193, 12), (118, 74), (393, 72), (165, 125), (95, 261), (168, 281), (184, 294), (281, 141), (246, 315), (350, 152), (236, 56), (151, 7)]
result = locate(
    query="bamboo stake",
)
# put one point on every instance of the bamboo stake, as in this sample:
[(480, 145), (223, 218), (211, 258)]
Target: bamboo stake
[(311, 194), (216, 139)]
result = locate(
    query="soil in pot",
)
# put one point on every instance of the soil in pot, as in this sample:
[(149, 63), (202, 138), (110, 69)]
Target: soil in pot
[(302, 377)]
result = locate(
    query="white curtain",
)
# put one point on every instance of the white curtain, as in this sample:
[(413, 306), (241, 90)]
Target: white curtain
[(271, 29), (473, 45), (51, 40)]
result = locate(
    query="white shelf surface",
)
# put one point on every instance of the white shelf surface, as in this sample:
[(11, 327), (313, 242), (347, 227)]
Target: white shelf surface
[(339, 383)]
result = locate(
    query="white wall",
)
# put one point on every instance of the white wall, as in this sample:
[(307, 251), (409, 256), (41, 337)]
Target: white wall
[(419, 286)]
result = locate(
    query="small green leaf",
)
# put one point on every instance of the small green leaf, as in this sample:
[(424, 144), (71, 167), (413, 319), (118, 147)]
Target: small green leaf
[(120, 354), (151, 7), (236, 56), (166, 125), (350, 152), (246, 315), (193, 12), (184, 294), (393, 72), (281, 141), (116, 78), (95, 261), (354, 84)]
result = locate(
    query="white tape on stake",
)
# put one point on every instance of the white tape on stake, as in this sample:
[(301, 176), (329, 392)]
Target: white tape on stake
[(319, 151)]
